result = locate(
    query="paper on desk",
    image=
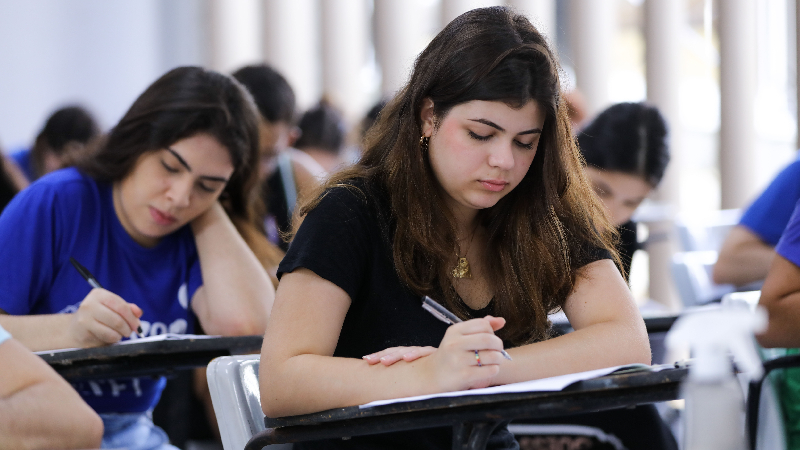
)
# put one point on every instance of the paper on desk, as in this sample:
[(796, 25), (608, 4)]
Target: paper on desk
[(156, 338), (545, 384)]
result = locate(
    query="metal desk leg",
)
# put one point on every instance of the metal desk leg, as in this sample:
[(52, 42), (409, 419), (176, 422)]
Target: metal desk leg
[(472, 436)]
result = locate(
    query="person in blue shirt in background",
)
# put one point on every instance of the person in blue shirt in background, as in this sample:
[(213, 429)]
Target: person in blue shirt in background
[(749, 249), (66, 135), (144, 215), (780, 295)]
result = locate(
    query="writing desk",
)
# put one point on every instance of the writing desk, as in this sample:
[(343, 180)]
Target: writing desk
[(473, 418), (146, 358)]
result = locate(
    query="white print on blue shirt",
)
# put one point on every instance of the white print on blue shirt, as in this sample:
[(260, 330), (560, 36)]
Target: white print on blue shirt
[(111, 386)]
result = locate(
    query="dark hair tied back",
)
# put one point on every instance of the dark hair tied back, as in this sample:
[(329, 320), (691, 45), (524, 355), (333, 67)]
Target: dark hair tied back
[(628, 137)]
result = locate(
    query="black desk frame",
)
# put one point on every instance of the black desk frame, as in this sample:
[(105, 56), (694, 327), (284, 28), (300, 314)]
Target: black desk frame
[(154, 358), (473, 418)]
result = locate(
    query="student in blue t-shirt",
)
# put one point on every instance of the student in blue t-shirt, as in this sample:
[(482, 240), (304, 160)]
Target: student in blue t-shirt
[(143, 216), (780, 295), (749, 248)]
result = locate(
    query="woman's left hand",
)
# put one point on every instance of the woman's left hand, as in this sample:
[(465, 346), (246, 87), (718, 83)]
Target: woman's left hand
[(393, 354)]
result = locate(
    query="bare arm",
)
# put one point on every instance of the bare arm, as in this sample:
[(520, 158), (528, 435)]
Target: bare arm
[(609, 331), (102, 318), (780, 295), (744, 258), (299, 375), (13, 170), (38, 409), (308, 173), (236, 295)]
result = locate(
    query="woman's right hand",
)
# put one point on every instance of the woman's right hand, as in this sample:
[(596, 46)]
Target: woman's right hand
[(454, 365), (103, 318)]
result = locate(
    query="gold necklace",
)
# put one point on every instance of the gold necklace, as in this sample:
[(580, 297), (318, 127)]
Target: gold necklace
[(462, 270)]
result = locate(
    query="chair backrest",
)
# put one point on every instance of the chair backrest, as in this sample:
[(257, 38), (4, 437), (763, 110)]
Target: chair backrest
[(692, 274), (233, 383), (700, 232), (771, 430), (747, 299)]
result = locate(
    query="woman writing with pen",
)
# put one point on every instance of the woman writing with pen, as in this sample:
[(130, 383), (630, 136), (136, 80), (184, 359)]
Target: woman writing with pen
[(471, 192), (144, 216)]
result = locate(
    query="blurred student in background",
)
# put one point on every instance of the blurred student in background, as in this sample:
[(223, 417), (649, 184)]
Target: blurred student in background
[(285, 173), (65, 137), (626, 153), (322, 133), (780, 295), (8, 186), (749, 249)]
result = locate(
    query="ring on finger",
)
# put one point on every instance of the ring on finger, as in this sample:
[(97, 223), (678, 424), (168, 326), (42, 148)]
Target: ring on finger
[(478, 358)]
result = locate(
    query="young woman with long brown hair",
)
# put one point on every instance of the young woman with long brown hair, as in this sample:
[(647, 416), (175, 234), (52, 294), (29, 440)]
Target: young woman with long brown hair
[(470, 191), (145, 216)]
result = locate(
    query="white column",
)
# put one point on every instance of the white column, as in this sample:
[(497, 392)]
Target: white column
[(591, 28), (737, 36), (542, 13), (345, 35), (664, 20), (292, 45), (454, 8), (235, 34), (399, 38)]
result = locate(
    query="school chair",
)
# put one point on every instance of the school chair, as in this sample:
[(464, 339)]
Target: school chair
[(707, 231), (233, 383), (765, 419), (691, 272)]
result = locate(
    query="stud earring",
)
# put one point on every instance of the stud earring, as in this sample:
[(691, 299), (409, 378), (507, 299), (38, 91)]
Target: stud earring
[(423, 143)]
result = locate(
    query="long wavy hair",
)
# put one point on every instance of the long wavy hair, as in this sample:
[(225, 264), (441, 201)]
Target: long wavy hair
[(180, 104), (542, 231)]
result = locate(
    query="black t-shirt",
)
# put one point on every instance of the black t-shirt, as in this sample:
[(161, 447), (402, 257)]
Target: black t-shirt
[(347, 240), (627, 246), (275, 199)]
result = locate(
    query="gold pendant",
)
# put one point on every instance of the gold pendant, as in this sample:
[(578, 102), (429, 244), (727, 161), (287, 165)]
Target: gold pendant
[(462, 269)]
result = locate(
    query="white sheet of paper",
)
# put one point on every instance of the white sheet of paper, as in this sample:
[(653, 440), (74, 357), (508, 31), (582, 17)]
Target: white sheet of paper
[(543, 385)]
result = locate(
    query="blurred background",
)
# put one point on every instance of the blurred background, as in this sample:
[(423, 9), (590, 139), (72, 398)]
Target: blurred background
[(723, 72)]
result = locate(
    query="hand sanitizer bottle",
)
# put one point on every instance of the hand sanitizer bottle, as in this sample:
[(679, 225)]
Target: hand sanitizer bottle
[(714, 413)]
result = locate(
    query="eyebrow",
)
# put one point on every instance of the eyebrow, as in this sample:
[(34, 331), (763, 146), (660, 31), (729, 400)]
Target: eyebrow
[(498, 127), (185, 164), (603, 187)]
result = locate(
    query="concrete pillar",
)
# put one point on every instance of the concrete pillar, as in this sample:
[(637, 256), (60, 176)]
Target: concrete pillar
[(664, 20), (542, 13), (235, 34), (737, 36), (292, 45), (399, 37), (345, 36), (454, 8), (591, 27)]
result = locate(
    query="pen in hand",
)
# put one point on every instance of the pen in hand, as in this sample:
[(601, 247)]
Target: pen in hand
[(91, 280), (441, 313)]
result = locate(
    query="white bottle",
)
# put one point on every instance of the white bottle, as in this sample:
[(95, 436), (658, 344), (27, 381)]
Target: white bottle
[(714, 413)]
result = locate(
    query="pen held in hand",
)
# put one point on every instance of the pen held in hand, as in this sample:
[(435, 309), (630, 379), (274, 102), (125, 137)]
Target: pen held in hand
[(91, 279), (441, 313)]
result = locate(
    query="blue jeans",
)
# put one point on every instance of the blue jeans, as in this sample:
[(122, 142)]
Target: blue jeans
[(133, 431)]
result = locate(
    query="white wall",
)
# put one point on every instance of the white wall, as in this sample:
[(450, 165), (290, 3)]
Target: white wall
[(99, 53)]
